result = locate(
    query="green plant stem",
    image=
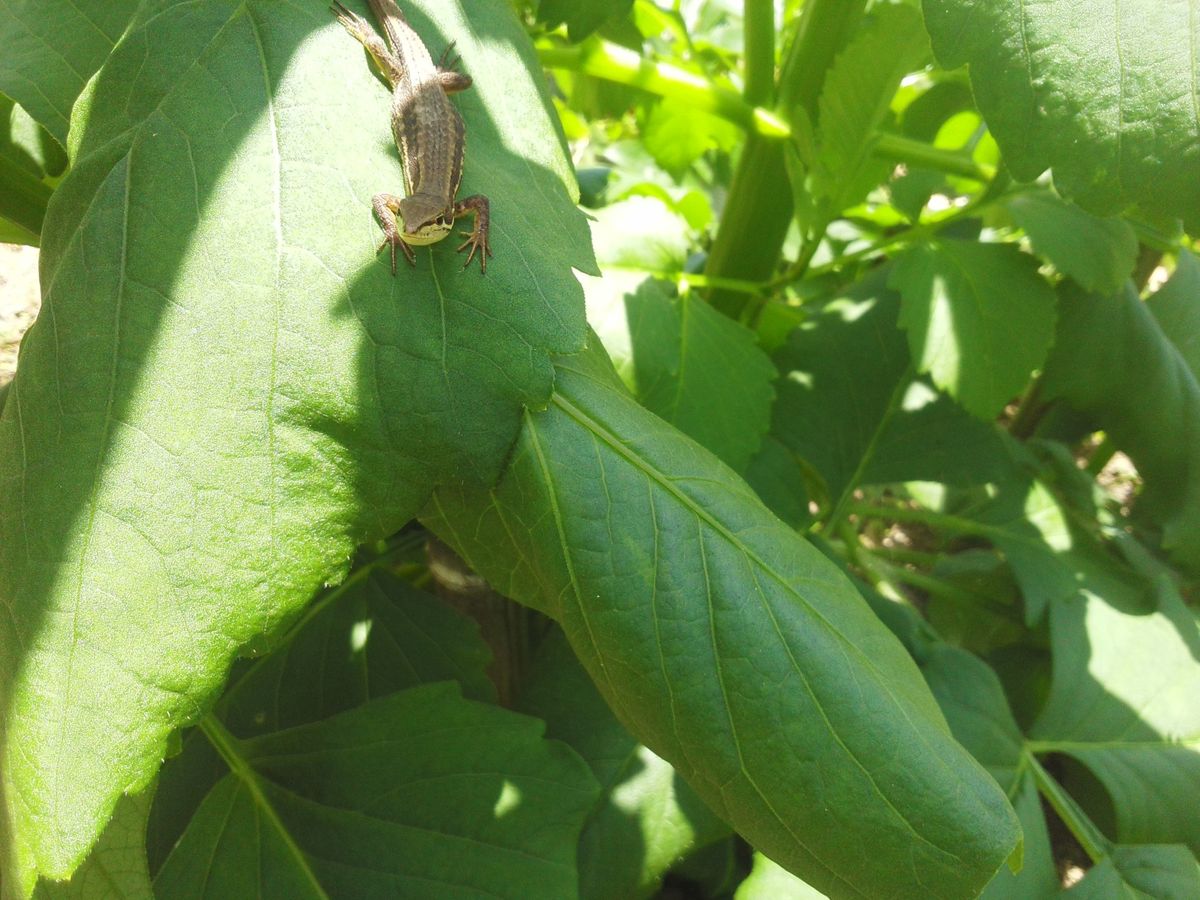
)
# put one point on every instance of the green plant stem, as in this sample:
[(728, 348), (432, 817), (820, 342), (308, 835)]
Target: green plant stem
[(997, 190), (758, 23), (759, 207), (612, 62), (918, 153), (1094, 844), (955, 524)]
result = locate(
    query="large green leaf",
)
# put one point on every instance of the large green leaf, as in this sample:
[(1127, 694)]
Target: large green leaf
[(51, 49), (1123, 703), (770, 881), (648, 817), (1112, 362), (979, 319), (731, 647), (387, 800), (1102, 92), (227, 391), (848, 405)]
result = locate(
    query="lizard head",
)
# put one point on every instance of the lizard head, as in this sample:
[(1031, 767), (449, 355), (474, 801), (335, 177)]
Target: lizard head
[(425, 220)]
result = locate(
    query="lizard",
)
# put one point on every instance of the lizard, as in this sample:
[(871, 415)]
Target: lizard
[(429, 134)]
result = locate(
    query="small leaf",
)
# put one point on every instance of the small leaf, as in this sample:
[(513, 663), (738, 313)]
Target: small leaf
[(979, 319), (647, 817), (847, 404), (677, 134), (1123, 703), (731, 647), (1098, 254), (1112, 362), (770, 881), (1144, 871), (1176, 308), (855, 98), (1102, 93), (381, 800), (581, 17), (694, 367)]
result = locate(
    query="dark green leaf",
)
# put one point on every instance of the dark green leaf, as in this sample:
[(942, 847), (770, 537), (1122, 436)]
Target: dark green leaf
[(227, 391), (1098, 254), (1176, 308), (581, 17), (855, 98), (51, 49), (731, 647), (694, 367), (1134, 873), (778, 477), (1112, 362), (979, 319), (647, 818), (847, 405), (370, 637), (383, 800), (1123, 703), (970, 695), (1038, 877), (1103, 93)]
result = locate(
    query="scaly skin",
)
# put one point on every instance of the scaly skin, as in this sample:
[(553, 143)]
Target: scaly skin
[(429, 134)]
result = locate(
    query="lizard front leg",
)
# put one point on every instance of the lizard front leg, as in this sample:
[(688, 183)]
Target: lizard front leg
[(477, 237), (361, 29), (386, 206)]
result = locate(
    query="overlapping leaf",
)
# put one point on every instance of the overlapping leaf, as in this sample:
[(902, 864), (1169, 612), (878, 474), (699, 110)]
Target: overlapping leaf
[(731, 647), (383, 800), (369, 638), (648, 817), (848, 405), (692, 366), (52, 48), (979, 319), (1112, 362), (1122, 702), (1102, 93), (226, 391), (1098, 254)]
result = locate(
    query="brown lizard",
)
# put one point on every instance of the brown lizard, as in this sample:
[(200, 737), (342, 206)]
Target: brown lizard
[(429, 133)]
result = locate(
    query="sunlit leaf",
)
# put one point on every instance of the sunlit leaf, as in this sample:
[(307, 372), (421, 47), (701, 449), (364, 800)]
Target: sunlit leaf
[(1102, 93)]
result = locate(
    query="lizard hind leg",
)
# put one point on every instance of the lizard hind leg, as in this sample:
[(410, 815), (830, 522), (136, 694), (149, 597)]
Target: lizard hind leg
[(362, 31), (449, 77)]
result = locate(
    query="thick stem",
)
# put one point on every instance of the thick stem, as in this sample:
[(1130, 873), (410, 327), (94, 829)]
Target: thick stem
[(503, 624), (759, 209)]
